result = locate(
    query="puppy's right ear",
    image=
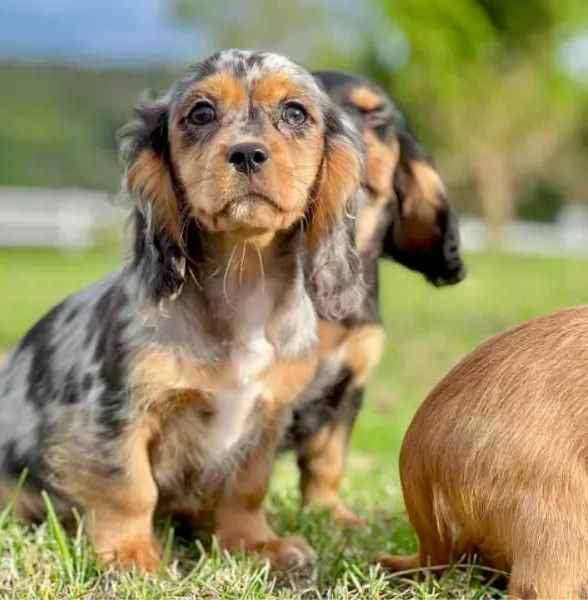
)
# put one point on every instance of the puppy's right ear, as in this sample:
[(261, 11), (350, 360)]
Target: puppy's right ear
[(424, 233), (158, 255), (335, 269)]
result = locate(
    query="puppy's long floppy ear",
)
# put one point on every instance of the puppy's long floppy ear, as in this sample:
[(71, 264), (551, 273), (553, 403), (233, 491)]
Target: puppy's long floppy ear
[(336, 281), (424, 233), (158, 255)]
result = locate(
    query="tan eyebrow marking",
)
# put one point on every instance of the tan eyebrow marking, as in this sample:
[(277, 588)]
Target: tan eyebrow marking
[(274, 87), (224, 88), (365, 99)]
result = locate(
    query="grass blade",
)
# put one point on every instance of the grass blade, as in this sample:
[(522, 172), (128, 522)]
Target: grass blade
[(167, 548), (17, 489), (59, 535)]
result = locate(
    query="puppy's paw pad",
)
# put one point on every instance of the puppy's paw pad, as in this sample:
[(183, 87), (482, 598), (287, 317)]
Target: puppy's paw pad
[(339, 512)]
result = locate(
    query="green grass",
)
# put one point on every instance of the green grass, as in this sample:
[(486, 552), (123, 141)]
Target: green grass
[(33, 281), (428, 331)]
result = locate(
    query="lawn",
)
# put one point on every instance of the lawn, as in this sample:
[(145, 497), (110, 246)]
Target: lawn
[(428, 331)]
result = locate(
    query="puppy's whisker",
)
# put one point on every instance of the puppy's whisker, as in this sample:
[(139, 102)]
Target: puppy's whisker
[(242, 265), (198, 182), (348, 214), (185, 221), (195, 279), (302, 189), (261, 268), (214, 273), (225, 279)]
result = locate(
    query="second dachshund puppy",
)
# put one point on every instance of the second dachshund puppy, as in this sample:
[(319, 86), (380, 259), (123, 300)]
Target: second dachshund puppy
[(404, 216), (163, 387)]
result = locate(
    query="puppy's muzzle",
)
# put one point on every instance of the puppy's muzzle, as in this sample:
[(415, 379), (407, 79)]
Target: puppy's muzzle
[(249, 157)]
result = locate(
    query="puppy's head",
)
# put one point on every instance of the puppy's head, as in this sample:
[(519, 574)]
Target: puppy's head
[(406, 203), (247, 144)]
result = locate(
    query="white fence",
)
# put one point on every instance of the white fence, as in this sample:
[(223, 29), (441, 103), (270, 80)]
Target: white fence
[(73, 219), (567, 236), (68, 219)]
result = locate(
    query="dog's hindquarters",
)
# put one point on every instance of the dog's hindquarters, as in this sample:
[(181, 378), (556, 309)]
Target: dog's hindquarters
[(493, 463), (531, 527)]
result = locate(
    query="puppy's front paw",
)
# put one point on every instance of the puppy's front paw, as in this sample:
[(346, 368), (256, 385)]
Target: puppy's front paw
[(141, 558), (338, 510), (288, 552)]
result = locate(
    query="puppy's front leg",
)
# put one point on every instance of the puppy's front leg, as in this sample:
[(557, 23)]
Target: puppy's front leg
[(240, 521), (121, 528), (240, 518), (119, 508)]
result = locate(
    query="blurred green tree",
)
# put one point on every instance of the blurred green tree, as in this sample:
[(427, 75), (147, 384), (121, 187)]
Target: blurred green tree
[(315, 32), (486, 79)]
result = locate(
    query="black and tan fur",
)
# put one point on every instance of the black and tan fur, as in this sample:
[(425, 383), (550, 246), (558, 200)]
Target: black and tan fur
[(404, 216), (163, 387)]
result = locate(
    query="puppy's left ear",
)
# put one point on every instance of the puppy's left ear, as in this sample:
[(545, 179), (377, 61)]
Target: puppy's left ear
[(335, 274), (424, 233)]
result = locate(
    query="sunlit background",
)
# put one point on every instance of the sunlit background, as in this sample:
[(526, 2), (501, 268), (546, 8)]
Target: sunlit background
[(496, 89)]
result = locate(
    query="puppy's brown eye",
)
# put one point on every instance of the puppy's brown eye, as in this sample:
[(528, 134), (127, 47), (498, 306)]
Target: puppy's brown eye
[(202, 114), (294, 114)]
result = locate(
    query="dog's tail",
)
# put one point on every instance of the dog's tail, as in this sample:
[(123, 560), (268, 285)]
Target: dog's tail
[(399, 562)]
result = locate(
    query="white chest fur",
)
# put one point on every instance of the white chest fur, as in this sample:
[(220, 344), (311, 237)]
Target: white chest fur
[(251, 353)]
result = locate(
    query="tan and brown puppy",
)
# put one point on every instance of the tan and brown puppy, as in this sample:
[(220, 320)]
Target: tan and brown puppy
[(495, 461)]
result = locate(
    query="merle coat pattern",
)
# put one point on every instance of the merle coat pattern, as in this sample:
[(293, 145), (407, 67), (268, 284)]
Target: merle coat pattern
[(150, 391)]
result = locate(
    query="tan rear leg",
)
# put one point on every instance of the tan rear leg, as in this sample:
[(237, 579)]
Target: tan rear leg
[(323, 456), (322, 466), (555, 578)]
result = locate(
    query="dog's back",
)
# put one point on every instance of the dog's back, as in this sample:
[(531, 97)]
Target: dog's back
[(494, 462)]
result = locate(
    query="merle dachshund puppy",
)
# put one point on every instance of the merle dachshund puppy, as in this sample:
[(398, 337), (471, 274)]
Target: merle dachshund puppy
[(164, 387)]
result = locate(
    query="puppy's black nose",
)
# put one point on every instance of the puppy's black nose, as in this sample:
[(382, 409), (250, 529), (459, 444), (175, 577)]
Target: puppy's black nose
[(249, 157)]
